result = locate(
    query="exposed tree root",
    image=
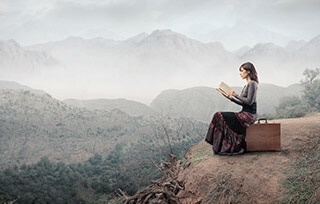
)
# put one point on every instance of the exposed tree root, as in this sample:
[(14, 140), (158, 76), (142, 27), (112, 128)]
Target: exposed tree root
[(164, 190)]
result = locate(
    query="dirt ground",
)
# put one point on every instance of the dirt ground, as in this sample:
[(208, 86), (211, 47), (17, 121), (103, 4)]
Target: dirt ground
[(255, 177)]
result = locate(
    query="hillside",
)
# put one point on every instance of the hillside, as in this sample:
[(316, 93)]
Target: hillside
[(256, 177), (201, 102), (33, 126), (16, 86)]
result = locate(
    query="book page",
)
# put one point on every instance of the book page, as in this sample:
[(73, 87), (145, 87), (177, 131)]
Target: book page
[(224, 88)]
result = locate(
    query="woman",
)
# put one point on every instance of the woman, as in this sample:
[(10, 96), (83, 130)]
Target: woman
[(227, 130)]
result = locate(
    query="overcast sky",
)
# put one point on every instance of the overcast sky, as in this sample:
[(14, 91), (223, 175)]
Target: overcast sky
[(33, 21)]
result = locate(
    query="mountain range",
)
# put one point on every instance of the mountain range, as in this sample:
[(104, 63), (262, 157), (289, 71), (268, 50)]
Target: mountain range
[(198, 103), (242, 34), (140, 67), (17, 62)]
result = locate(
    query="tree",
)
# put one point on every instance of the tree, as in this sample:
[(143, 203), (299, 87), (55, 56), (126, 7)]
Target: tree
[(291, 107), (311, 85)]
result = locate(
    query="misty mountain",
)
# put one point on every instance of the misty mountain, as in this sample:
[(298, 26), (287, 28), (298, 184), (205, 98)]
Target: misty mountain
[(198, 103), (267, 51), (15, 59), (74, 49), (168, 54), (202, 102), (133, 108), (160, 60), (312, 48), (277, 61), (245, 34), (295, 45), (241, 51), (136, 39), (140, 67), (279, 64)]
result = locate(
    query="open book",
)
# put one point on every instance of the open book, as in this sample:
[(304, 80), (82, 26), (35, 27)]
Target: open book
[(224, 89)]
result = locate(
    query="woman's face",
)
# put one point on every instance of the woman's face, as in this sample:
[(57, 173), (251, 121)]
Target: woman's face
[(244, 73)]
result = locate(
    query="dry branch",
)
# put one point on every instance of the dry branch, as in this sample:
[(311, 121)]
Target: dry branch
[(164, 190)]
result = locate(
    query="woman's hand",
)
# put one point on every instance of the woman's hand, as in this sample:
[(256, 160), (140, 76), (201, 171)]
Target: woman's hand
[(231, 94)]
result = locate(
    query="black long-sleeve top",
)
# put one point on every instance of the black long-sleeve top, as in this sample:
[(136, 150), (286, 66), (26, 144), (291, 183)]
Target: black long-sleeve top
[(247, 98)]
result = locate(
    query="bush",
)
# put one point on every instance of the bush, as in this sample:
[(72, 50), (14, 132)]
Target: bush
[(311, 85), (291, 107)]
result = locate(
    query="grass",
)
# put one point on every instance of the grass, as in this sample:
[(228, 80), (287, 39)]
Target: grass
[(225, 189), (199, 156), (202, 154), (303, 183)]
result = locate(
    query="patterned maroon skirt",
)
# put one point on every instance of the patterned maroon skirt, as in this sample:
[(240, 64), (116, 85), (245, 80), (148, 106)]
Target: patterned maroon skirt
[(227, 132)]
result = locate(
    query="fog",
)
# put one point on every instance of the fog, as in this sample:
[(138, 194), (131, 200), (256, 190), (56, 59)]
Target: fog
[(35, 21), (185, 44)]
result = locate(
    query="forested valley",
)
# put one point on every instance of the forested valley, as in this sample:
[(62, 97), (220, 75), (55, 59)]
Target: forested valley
[(55, 153), (94, 181)]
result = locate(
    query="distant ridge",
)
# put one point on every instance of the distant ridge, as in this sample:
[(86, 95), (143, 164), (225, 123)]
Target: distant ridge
[(128, 106), (198, 103), (16, 86), (201, 102)]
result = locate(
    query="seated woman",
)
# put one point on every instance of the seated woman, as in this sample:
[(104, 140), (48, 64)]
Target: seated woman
[(227, 130)]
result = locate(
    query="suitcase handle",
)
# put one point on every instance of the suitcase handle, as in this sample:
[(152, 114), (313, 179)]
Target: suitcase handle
[(265, 119)]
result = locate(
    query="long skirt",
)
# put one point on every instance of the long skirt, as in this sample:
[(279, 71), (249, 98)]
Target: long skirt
[(227, 132)]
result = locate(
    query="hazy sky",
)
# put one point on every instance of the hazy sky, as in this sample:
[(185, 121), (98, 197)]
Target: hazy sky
[(33, 21), (37, 21)]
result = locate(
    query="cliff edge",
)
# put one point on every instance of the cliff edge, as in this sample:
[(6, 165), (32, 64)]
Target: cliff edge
[(255, 177)]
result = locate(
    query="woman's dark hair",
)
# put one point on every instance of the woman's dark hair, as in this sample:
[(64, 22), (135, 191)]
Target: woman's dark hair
[(248, 66)]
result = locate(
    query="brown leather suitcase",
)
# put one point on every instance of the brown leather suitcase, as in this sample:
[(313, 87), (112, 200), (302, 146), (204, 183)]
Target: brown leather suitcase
[(263, 136)]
